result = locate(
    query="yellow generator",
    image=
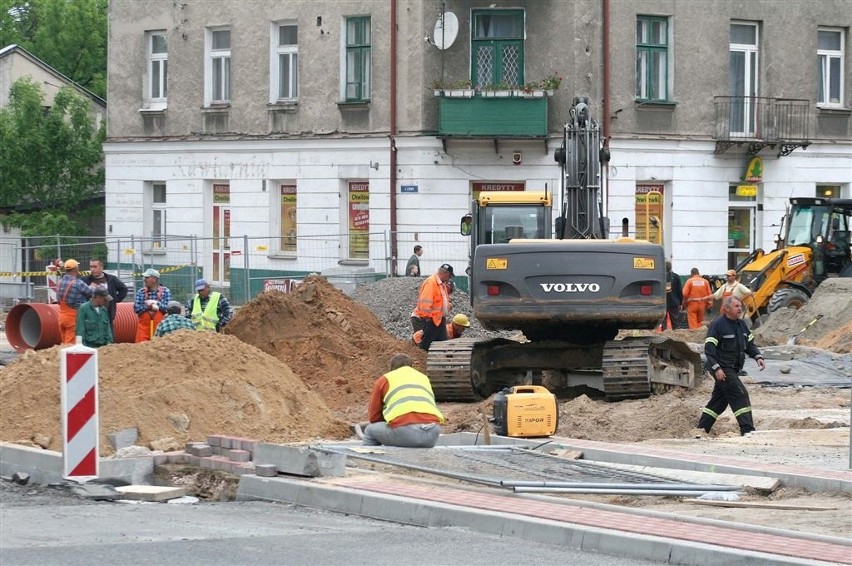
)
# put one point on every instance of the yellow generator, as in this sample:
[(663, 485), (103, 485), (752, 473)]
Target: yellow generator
[(525, 411)]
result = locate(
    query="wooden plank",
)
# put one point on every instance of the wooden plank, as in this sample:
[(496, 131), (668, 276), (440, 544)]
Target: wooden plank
[(757, 505), (759, 483)]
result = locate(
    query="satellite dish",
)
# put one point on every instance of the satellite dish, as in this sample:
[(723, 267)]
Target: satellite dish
[(446, 30)]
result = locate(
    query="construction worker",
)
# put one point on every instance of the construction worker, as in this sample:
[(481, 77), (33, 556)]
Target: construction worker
[(149, 304), (402, 409), (726, 346), (116, 288), (93, 323), (455, 329), (208, 310), (71, 292), (174, 320), (696, 298), (732, 288), (433, 305)]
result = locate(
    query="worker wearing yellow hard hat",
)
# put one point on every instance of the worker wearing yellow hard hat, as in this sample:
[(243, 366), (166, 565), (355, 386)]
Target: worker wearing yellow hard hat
[(454, 329)]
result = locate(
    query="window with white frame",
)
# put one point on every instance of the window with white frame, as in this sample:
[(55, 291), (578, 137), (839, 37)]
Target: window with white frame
[(218, 66), (158, 215), (358, 55), (158, 67), (652, 58), (830, 55), (284, 70), (743, 84)]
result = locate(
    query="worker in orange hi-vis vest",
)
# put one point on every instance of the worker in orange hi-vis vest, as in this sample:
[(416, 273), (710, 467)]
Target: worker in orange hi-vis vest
[(697, 298)]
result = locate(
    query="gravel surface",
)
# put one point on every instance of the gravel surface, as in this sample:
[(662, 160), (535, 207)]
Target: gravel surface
[(392, 300)]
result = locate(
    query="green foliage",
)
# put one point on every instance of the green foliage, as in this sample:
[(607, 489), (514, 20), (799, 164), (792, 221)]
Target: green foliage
[(68, 35), (50, 159)]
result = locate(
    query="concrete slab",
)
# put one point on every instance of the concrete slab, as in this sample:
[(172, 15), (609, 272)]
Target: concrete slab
[(45, 466), (151, 492)]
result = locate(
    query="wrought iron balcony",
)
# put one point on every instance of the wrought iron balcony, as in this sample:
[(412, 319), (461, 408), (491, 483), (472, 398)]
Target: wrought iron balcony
[(760, 122)]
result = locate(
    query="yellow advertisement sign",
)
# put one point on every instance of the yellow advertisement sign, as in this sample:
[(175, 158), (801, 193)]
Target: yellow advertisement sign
[(754, 171), (497, 263), (643, 263), (746, 190)]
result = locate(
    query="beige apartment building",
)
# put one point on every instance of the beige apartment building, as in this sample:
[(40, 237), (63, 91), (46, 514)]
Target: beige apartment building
[(329, 136)]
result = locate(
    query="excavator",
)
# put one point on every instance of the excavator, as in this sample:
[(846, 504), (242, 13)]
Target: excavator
[(569, 292), (814, 244)]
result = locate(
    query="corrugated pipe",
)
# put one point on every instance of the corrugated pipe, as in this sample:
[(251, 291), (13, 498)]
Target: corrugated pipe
[(35, 326)]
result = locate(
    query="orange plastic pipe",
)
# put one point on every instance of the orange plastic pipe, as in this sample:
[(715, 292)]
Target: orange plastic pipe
[(35, 326)]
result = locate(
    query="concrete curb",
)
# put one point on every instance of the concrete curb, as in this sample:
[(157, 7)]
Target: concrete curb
[(45, 466), (429, 514)]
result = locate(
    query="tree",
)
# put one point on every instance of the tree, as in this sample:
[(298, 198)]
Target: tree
[(68, 35), (50, 159)]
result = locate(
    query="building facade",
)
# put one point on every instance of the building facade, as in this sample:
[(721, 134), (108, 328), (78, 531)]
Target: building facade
[(335, 135)]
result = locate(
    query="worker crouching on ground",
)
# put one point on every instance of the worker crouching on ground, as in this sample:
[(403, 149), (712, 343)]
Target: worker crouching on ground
[(728, 342), (209, 311), (455, 329), (150, 304), (433, 305), (71, 292), (174, 320), (402, 408), (93, 323)]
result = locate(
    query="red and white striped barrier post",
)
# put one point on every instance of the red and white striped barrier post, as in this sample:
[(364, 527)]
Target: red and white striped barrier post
[(79, 376)]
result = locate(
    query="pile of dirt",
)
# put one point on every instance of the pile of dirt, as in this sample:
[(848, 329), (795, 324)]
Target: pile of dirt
[(183, 386), (832, 302), (335, 345)]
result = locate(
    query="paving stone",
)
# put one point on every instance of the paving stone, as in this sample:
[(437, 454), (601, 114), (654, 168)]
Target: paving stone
[(214, 440), (266, 470), (238, 455)]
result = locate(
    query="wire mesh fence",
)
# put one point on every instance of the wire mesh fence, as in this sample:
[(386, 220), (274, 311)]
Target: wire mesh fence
[(241, 267)]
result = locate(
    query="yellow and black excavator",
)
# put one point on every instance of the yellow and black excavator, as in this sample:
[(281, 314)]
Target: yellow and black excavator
[(567, 288), (814, 244)]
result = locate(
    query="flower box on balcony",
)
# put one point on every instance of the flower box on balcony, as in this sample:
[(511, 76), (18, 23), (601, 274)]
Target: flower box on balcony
[(459, 92)]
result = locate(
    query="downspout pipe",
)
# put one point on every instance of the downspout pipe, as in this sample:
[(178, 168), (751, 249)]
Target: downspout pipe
[(605, 18), (392, 157)]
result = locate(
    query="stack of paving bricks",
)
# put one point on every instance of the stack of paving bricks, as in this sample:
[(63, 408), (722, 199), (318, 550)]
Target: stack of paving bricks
[(226, 453)]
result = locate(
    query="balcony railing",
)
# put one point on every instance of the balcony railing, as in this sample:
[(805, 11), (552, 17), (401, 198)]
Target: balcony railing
[(760, 122), (484, 117)]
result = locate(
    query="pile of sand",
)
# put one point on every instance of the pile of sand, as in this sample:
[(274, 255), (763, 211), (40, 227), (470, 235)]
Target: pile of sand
[(184, 386), (335, 345)]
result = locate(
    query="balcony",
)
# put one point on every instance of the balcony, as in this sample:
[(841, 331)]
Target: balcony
[(778, 123), (509, 117)]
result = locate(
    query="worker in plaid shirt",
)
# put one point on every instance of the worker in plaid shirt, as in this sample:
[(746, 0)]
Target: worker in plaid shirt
[(174, 320)]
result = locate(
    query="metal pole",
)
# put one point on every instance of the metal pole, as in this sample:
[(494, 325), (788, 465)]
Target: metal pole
[(632, 486), (662, 492), (247, 293)]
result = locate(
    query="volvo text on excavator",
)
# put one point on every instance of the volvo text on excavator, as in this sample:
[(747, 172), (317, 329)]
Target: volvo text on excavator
[(568, 289)]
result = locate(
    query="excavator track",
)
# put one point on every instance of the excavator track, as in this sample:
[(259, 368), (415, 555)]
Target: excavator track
[(635, 367), (448, 368)]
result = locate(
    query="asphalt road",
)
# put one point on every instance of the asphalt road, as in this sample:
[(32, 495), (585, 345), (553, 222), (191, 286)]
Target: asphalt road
[(46, 526)]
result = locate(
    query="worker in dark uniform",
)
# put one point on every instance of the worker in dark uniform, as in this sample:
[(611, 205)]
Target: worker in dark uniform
[(728, 342)]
